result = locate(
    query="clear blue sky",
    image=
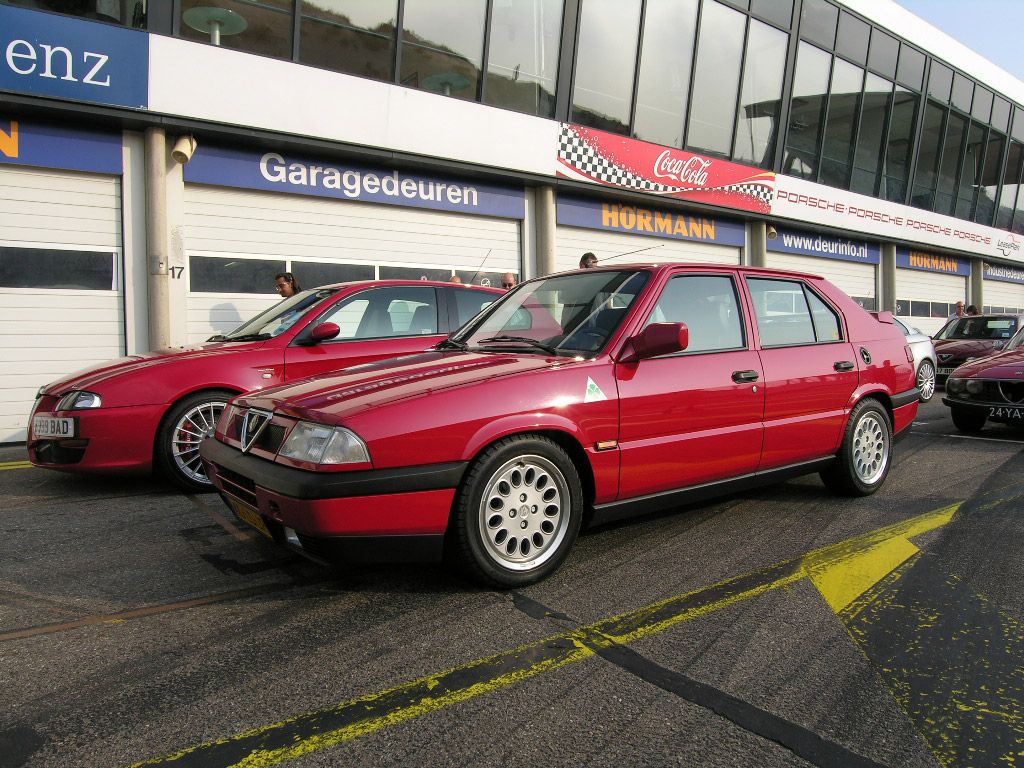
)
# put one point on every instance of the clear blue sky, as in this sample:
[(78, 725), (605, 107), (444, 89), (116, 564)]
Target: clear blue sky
[(993, 28)]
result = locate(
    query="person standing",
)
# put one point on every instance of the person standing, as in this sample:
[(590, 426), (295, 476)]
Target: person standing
[(508, 281), (972, 309), (588, 261), (286, 285), (958, 312)]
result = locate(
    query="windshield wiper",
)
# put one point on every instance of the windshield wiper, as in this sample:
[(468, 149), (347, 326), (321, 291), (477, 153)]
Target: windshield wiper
[(452, 344), (523, 340), (218, 337), (249, 337)]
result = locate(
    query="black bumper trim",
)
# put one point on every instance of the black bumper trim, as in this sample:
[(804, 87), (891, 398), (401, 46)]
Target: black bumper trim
[(302, 484), (902, 399)]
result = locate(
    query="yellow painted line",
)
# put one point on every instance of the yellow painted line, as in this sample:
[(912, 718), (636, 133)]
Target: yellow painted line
[(15, 465), (289, 739)]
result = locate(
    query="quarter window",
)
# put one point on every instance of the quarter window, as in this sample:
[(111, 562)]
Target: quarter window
[(789, 313), (708, 306)]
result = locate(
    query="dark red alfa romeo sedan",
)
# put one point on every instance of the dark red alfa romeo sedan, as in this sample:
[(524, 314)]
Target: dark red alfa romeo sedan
[(130, 414), (581, 397)]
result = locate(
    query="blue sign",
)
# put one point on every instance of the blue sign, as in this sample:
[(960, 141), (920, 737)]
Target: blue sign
[(931, 262), (653, 222), (1004, 273), (275, 172), (53, 146), (51, 55), (790, 241)]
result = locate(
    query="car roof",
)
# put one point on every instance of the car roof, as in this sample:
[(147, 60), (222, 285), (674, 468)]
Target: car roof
[(384, 283)]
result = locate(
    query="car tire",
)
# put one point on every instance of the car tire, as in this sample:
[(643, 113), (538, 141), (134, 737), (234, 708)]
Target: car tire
[(926, 380), (865, 455), (187, 423), (967, 421), (517, 512)]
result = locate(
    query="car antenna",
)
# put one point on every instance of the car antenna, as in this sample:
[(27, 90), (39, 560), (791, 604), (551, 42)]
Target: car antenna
[(486, 256), (638, 250)]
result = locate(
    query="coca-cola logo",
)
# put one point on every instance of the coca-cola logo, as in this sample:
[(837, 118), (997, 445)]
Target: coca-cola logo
[(693, 170)]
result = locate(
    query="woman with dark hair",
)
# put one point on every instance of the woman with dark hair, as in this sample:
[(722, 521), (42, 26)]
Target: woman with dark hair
[(286, 284)]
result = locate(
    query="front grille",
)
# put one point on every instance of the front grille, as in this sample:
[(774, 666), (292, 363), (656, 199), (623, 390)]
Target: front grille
[(239, 486), (52, 452), (315, 547), (996, 391), (269, 440)]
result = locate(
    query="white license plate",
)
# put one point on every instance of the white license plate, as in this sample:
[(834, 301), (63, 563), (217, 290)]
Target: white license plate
[(1006, 413), (945, 371), (51, 426)]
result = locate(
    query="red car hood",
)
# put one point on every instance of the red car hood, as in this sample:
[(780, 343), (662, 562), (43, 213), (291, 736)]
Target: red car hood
[(330, 398), (1003, 365), (89, 378), (961, 348)]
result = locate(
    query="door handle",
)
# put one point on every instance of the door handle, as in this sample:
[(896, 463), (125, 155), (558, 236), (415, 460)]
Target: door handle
[(745, 377), (844, 365)]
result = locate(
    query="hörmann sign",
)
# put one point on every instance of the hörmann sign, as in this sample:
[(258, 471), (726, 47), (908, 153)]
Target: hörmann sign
[(48, 145), (654, 222), (49, 55), (932, 262)]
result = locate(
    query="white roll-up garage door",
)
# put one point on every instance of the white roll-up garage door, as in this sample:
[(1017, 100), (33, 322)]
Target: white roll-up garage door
[(313, 236), (572, 242), (853, 278), (925, 299), (61, 302), (1003, 296)]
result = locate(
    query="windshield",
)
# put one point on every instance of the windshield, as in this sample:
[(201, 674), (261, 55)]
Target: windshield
[(1017, 341), (278, 318), (980, 327), (563, 315)]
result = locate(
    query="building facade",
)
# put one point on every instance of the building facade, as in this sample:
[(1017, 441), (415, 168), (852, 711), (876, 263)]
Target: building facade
[(162, 160)]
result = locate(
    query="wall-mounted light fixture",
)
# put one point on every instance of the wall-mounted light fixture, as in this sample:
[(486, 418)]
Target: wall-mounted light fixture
[(183, 149), (772, 232)]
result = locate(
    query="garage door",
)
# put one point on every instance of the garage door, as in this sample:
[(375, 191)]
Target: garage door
[(61, 304), (1001, 296), (237, 240), (856, 280), (926, 299), (625, 248)]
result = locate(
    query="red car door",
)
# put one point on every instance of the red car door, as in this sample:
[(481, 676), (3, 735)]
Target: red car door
[(695, 416), (375, 323), (810, 371)]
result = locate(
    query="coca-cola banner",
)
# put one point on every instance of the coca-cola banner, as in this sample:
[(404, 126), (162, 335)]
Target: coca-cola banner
[(618, 161)]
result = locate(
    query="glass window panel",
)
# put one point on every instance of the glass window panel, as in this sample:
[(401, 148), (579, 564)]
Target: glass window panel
[(758, 124), (970, 172), (818, 21), (843, 104), (896, 173), (1018, 124), (910, 71), (810, 87), (350, 36), (963, 92), (777, 11), (523, 55), (884, 53), (1011, 186), (268, 29), (852, 40), (982, 107), (442, 46), (783, 317), (1018, 217), (920, 309), (63, 270), (605, 61), (311, 274), (986, 204), (874, 116), (709, 308), (928, 156), (1001, 115), (744, 4), (940, 82), (716, 79), (665, 59), (212, 274), (956, 130)]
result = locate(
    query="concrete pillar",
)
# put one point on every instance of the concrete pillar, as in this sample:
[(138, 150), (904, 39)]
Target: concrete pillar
[(757, 255), (976, 287), (156, 238), (546, 222), (887, 299)]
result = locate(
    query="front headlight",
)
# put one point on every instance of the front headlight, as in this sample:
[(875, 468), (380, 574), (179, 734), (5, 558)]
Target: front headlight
[(323, 444), (954, 385), (77, 400), (974, 386)]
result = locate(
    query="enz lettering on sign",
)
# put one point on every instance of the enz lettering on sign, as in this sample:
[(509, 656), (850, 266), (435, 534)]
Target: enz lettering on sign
[(54, 62)]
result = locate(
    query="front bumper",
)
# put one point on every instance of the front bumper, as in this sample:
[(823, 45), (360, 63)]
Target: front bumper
[(105, 440), (384, 515), (1010, 413)]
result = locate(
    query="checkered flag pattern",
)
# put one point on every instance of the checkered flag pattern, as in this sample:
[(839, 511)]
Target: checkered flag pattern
[(580, 156)]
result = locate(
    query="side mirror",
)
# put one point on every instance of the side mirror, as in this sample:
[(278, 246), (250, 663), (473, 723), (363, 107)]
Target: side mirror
[(323, 332), (658, 339)]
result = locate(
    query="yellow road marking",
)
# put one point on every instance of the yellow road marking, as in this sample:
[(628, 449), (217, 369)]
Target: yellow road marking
[(15, 465), (286, 740)]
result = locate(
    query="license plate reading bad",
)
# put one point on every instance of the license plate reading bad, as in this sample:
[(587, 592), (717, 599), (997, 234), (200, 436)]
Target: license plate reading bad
[(51, 426), (250, 517)]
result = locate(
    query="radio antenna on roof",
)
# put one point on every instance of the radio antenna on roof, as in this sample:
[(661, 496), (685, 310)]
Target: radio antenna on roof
[(638, 250)]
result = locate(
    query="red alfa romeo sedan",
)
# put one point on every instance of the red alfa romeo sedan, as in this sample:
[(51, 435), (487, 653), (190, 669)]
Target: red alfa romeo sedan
[(582, 397), (138, 412)]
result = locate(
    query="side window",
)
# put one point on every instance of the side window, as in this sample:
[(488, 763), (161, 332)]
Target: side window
[(708, 306), (385, 312), (788, 313), (468, 304)]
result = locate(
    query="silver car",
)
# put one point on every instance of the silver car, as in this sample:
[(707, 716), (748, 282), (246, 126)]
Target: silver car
[(924, 358)]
